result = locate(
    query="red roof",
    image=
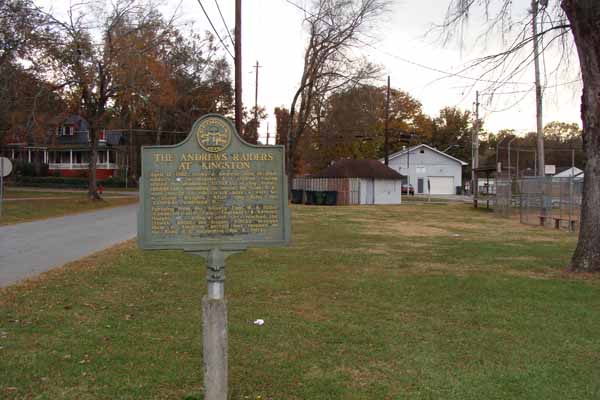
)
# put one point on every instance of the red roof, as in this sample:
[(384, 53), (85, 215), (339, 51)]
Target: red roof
[(370, 169)]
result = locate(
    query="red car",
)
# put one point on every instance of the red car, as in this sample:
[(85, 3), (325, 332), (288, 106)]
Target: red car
[(407, 188)]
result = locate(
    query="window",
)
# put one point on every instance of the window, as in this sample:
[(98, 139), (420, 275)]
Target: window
[(421, 170), (65, 130), (422, 151)]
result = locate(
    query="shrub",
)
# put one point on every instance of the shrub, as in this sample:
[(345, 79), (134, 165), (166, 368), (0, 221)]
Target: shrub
[(52, 181), (40, 169), (24, 168), (114, 182)]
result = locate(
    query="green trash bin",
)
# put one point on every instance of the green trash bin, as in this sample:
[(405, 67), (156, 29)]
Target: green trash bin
[(331, 198), (297, 196), (310, 197), (320, 198)]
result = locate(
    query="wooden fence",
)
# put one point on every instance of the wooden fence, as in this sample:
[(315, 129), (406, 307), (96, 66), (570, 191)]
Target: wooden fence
[(348, 189)]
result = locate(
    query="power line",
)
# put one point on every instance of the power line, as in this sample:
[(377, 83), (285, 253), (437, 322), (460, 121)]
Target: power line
[(440, 71), (529, 90), (214, 30), (417, 64), (433, 69), (224, 23), (520, 100)]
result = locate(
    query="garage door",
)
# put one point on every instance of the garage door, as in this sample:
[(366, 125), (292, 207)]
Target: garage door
[(442, 185)]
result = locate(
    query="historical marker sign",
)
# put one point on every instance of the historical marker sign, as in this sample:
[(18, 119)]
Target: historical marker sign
[(213, 195), (213, 191)]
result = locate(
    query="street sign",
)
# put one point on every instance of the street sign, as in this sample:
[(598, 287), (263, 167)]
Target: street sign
[(5, 167), (549, 169)]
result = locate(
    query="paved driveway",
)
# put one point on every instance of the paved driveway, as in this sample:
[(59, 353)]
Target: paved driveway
[(34, 247)]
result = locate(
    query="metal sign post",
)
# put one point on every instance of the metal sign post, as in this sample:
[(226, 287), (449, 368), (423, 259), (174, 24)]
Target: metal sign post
[(5, 170), (1, 184)]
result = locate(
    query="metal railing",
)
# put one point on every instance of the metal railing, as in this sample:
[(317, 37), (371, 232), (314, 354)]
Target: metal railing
[(81, 165)]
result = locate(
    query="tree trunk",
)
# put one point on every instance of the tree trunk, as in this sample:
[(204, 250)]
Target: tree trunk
[(92, 184), (584, 16)]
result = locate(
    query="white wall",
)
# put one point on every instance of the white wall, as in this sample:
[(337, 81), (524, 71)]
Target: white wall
[(423, 165), (388, 191), (383, 191), (363, 192)]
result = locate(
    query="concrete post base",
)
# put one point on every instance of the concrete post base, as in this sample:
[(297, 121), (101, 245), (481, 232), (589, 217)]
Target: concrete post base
[(214, 327)]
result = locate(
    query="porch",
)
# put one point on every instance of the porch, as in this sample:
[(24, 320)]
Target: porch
[(73, 163)]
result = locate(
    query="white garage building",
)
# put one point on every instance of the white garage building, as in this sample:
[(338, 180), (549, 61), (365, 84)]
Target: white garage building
[(367, 181), (428, 170)]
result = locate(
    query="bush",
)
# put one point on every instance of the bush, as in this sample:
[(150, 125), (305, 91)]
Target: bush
[(41, 169), (52, 181), (24, 168), (68, 182), (113, 182)]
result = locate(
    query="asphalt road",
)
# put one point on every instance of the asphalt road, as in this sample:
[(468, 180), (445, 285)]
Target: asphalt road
[(30, 248)]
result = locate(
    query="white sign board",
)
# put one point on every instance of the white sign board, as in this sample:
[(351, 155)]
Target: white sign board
[(5, 166), (549, 169)]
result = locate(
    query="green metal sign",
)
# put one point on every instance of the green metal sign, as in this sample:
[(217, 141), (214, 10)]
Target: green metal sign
[(213, 191)]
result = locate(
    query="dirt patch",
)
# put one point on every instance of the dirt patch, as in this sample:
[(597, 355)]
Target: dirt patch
[(460, 225), (380, 250), (310, 312), (550, 274), (439, 268), (367, 375), (402, 228)]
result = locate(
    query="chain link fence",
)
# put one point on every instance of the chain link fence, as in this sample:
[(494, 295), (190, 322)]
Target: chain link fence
[(542, 201)]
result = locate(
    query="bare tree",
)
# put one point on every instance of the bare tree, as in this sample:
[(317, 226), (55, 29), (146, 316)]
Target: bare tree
[(334, 28), (580, 17)]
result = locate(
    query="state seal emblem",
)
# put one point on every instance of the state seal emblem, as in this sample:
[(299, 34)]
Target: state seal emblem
[(213, 135)]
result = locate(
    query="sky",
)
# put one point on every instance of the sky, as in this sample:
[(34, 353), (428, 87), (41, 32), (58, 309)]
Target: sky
[(417, 62)]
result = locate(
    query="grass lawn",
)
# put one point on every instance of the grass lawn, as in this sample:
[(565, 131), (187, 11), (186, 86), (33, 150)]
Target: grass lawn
[(52, 204), (11, 193), (20, 193), (376, 302)]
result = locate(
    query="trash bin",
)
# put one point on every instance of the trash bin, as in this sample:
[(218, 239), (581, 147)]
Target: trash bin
[(331, 198), (320, 198), (310, 197), (297, 196), (459, 190)]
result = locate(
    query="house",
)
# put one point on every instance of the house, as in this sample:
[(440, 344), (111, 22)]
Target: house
[(25, 144), (428, 170), (66, 148), (371, 181)]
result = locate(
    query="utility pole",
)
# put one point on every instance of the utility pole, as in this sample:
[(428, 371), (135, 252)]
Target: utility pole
[(509, 163), (475, 148), (267, 132), (256, 96), (538, 90), (238, 65), (387, 117)]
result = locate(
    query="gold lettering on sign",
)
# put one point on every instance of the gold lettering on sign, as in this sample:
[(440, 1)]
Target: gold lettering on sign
[(163, 157), (222, 196)]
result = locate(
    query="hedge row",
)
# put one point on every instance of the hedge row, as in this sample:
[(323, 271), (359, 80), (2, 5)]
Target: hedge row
[(64, 182)]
